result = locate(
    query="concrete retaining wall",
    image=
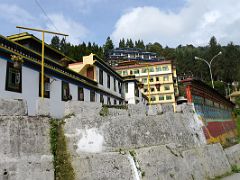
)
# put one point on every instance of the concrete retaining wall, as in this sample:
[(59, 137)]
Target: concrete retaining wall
[(233, 154), (127, 129), (153, 163), (13, 107), (25, 148)]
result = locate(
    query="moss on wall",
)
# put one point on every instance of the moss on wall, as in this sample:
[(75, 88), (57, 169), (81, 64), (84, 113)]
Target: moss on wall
[(62, 160)]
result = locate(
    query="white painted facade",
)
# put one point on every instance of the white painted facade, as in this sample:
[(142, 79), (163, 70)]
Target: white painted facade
[(110, 90), (129, 92), (30, 91)]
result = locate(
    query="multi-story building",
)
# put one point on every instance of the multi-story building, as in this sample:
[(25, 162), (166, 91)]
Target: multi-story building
[(131, 54), (158, 78), (21, 77)]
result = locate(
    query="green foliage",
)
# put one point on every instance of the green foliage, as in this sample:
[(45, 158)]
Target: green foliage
[(104, 111), (237, 101), (129, 43), (225, 67), (122, 43), (55, 42), (116, 106), (235, 169), (139, 44), (107, 47), (238, 124), (62, 160)]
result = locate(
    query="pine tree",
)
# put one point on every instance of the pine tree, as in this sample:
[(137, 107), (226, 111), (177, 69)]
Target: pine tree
[(107, 47), (55, 42), (129, 43), (122, 43)]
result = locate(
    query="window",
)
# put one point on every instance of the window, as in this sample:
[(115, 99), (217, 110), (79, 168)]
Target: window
[(90, 72), (126, 87), (161, 98), (108, 101), (46, 86), (153, 98), (115, 101), (136, 90), (65, 91), (108, 81), (152, 89), (157, 87), (131, 72), (101, 77), (120, 87), (119, 72), (145, 90), (151, 80), (13, 78), (101, 99), (144, 70), (92, 96), (166, 87), (165, 78), (136, 71), (125, 73), (157, 78), (151, 69), (158, 68), (168, 97), (114, 85), (80, 94), (165, 68), (144, 80)]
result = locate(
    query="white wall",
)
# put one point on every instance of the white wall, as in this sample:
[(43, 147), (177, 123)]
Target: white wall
[(30, 85), (130, 96), (30, 91), (104, 86)]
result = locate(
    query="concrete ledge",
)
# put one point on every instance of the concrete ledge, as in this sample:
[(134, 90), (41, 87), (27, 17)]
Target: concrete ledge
[(102, 166), (137, 109), (43, 107), (27, 167), (165, 162), (13, 107), (233, 154), (80, 107), (154, 110)]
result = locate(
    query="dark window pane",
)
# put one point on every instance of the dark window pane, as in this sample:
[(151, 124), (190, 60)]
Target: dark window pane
[(13, 78)]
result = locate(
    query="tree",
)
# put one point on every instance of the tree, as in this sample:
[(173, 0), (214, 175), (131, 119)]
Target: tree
[(55, 42), (139, 44), (122, 43), (107, 47), (129, 43)]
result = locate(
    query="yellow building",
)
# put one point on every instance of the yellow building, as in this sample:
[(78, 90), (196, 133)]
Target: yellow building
[(159, 79)]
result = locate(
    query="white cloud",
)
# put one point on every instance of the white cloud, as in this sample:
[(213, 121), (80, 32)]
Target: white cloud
[(15, 14), (194, 24), (76, 31)]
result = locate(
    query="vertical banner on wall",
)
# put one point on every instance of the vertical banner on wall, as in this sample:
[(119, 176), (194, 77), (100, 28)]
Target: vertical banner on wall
[(189, 94)]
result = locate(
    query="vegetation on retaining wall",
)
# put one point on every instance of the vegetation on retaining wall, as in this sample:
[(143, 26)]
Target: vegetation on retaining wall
[(63, 169)]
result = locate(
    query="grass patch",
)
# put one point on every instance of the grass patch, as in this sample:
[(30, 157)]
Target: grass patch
[(116, 106), (235, 169), (63, 169), (104, 111), (238, 125)]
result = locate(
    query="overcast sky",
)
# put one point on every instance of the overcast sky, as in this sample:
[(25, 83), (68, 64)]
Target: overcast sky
[(169, 22)]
